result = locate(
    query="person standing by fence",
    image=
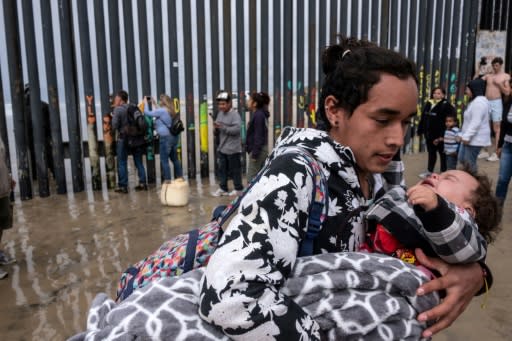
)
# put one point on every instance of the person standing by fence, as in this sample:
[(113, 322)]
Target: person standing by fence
[(257, 133), (475, 132), (450, 140), (504, 152), (432, 127), (227, 127), (497, 88), (6, 185), (168, 142), (120, 122)]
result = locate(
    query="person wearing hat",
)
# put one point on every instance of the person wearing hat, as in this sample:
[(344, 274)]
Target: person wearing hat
[(227, 128)]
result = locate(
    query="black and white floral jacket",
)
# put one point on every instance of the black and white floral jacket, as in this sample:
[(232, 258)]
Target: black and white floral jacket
[(241, 286)]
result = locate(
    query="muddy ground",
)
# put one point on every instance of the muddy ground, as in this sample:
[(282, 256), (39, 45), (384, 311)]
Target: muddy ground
[(71, 247)]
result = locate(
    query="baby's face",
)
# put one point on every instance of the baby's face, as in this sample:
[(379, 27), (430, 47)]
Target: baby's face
[(454, 185)]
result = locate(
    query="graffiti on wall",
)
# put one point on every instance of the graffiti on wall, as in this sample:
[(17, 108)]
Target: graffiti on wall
[(489, 44)]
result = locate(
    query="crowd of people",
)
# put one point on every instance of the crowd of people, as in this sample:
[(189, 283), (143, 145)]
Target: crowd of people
[(488, 107)]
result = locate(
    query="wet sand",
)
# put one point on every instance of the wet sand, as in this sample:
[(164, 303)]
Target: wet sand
[(71, 247)]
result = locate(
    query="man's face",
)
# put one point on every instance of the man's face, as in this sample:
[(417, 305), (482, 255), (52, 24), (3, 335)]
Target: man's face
[(224, 106), (496, 67), (117, 101), (375, 131)]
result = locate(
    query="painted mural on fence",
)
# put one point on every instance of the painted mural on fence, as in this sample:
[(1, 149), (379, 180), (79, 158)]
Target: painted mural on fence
[(489, 44)]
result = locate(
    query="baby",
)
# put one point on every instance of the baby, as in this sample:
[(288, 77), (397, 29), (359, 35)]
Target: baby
[(452, 215)]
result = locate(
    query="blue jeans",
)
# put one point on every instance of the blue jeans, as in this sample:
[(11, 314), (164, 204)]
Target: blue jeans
[(173, 156), (169, 151), (137, 159), (505, 172), (232, 163), (451, 162), (122, 164), (468, 155)]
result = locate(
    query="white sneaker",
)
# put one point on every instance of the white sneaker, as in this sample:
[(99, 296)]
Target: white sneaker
[(234, 193), (424, 175), (493, 158), (220, 193), (483, 155)]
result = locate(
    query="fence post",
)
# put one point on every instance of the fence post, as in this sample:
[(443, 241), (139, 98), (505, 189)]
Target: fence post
[(53, 98), (16, 81), (36, 111), (85, 51), (287, 63), (189, 90), (106, 109), (69, 64)]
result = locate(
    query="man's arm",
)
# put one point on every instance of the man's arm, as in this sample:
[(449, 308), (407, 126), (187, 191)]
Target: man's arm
[(461, 283), (116, 118), (504, 86), (452, 234), (234, 128)]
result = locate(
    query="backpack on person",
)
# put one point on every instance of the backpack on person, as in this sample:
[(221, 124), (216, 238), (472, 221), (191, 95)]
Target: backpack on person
[(193, 249), (135, 131), (176, 126)]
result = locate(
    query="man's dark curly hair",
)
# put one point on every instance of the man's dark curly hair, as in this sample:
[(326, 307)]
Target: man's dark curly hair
[(487, 209), (352, 68)]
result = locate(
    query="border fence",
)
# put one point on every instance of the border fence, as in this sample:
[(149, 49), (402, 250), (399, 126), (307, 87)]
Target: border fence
[(61, 61)]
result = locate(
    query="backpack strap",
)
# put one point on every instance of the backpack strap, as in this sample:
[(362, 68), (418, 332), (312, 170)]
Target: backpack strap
[(318, 210), (190, 254), (128, 288)]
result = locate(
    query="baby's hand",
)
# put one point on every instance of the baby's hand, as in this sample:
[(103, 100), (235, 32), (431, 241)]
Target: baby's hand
[(424, 196)]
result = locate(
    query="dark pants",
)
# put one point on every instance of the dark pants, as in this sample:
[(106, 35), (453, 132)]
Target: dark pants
[(122, 164), (232, 163), (433, 150), (137, 153)]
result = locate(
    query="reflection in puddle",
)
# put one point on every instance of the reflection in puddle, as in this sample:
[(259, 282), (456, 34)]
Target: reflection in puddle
[(69, 248), (84, 259), (21, 300)]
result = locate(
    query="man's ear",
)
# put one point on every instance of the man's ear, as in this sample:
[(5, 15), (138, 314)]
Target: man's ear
[(333, 112)]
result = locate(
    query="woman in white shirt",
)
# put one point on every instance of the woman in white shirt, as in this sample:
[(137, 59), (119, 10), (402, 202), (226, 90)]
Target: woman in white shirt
[(476, 132)]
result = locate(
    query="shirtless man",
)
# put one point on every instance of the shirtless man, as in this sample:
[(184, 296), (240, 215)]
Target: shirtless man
[(497, 85)]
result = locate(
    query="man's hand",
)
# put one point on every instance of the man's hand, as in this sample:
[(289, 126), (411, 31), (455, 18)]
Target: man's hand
[(217, 125), (424, 196), (461, 283), (498, 152)]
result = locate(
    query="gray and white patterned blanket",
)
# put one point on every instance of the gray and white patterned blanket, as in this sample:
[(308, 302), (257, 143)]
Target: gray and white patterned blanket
[(353, 296)]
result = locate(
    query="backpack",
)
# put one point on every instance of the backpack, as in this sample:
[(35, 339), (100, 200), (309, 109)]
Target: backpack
[(177, 126), (135, 129), (193, 249)]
